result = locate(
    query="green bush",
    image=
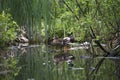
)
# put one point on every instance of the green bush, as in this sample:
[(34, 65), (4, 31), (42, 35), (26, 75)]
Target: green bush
[(8, 28)]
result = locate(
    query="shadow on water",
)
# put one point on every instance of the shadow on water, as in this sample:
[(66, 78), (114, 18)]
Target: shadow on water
[(45, 62)]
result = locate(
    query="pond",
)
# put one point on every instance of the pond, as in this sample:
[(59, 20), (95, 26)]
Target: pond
[(45, 62)]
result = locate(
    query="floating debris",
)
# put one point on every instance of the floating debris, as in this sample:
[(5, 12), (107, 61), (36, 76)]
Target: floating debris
[(5, 72), (44, 63), (81, 47), (85, 57), (88, 57), (109, 57), (92, 68), (31, 79), (72, 68)]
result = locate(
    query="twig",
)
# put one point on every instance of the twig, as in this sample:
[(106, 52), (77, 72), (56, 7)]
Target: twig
[(92, 34), (101, 47)]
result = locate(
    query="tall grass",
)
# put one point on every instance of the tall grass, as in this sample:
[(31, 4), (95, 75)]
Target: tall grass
[(30, 13), (44, 18)]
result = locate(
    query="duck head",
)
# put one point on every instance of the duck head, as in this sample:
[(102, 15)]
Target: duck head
[(65, 40), (68, 40)]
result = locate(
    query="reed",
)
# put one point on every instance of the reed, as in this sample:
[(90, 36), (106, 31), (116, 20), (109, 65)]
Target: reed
[(31, 14)]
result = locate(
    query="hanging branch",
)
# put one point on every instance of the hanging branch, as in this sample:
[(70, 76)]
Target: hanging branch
[(97, 42), (101, 47), (92, 34), (113, 51), (70, 9)]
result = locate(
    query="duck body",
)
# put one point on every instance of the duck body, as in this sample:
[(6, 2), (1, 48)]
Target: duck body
[(56, 41), (62, 41)]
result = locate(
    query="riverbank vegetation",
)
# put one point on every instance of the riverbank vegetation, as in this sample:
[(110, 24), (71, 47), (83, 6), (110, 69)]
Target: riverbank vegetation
[(8, 29), (46, 18), (93, 21)]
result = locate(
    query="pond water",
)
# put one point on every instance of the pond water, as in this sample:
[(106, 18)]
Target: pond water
[(45, 62)]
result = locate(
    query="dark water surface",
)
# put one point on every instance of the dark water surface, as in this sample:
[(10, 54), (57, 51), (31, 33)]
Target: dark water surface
[(44, 62)]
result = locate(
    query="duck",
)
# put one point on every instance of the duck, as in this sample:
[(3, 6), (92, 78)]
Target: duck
[(56, 41), (67, 40), (62, 41)]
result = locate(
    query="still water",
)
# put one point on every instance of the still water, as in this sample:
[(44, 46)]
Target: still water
[(45, 62)]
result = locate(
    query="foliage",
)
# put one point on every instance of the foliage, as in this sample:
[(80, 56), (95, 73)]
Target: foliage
[(62, 17), (30, 13), (8, 28)]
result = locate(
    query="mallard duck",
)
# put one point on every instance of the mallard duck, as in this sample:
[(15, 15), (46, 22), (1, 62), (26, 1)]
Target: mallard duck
[(62, 41), (56, 41), (67, 40)]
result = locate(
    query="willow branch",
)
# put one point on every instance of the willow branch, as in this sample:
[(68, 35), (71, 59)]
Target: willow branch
[(97, 42), (92, 34)]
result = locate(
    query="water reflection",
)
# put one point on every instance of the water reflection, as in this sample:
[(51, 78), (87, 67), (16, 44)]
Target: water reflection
[(8, 62), (67, 57), (44, 62)]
